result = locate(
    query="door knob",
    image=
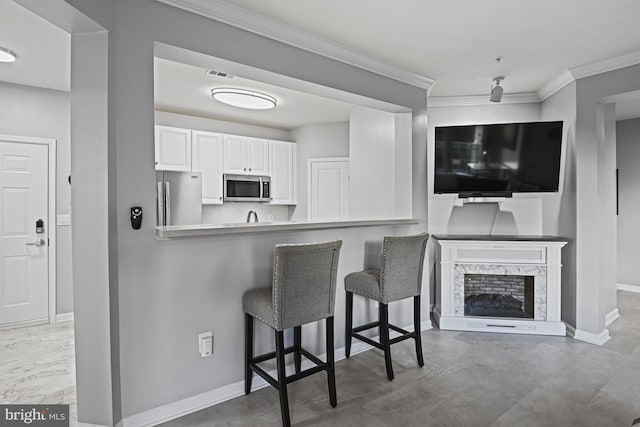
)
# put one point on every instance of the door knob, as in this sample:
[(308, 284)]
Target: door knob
[(38, 243)]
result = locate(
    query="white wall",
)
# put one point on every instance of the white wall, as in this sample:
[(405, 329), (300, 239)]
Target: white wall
[(313, 141), (31, 111), (444, 216), (163, 118), (628, 156), (371, 163), (403, 172), (560, 216)]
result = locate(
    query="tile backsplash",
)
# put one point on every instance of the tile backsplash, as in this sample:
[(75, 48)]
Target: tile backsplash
[(232, 212)]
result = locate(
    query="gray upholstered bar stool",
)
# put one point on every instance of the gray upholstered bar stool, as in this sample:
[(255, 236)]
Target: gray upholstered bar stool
[(303, 291), (399, 277)]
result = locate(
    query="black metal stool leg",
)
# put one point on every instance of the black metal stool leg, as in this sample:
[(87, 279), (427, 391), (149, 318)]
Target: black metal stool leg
[(348, 324), (418, 332), (282, 379), (331, 372), (384, 337), (297, 344), (248, 352)]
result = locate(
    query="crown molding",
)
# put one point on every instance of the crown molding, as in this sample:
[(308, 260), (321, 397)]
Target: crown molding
[(555, 84), (462, 101), (606, 65), (256, 23)]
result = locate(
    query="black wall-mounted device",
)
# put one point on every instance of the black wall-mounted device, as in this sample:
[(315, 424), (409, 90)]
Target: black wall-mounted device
[(136, 217)]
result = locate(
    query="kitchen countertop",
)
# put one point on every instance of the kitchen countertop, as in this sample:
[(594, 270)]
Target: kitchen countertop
[(177, 231), (498, 238)]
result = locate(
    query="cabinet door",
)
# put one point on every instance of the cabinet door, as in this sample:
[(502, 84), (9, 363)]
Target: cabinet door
[(257, 156), (235, 154), (207, 157), (282, 158), (329, 189), (173, 148)]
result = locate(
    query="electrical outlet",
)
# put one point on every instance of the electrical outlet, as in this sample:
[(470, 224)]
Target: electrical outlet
[(205, 344)]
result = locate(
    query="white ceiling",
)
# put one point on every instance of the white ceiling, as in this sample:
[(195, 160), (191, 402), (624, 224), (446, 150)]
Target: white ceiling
[(43, 50), (186, 89), (454, 42)]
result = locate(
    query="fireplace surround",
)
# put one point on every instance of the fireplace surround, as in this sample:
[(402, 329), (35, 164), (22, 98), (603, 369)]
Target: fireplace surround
[(499, 283)]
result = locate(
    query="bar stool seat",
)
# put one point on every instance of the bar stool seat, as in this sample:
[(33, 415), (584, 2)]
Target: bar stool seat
[(303, 291), (399, 277)]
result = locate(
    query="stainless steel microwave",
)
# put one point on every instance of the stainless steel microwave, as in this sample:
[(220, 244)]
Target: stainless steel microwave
[(246, 188)]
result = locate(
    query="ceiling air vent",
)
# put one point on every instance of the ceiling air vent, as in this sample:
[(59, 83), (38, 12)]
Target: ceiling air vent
[(219, 74)]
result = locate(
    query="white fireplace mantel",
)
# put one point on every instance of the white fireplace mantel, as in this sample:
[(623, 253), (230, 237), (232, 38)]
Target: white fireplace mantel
[(535, 256)]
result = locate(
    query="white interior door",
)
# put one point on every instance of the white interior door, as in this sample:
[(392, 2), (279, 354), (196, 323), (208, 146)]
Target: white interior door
[(24, 251), (329, 192)]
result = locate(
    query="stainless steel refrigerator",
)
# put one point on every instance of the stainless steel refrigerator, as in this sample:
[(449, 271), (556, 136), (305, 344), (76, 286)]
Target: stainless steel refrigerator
[(179, 196)]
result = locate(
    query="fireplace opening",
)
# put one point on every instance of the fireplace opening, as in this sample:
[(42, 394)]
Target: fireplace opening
[(497, 295)]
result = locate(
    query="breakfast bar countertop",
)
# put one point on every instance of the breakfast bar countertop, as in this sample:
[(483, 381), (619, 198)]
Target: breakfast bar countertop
[(178, 231)]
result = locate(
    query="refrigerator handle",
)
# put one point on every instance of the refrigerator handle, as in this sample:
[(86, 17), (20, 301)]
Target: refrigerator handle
[(167, 192), (160, 205)]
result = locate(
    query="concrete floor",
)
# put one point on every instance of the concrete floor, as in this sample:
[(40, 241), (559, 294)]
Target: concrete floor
[(469, 379)]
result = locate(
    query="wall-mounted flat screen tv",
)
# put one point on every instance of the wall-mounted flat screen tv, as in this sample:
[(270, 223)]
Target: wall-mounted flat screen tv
[(496, 160)]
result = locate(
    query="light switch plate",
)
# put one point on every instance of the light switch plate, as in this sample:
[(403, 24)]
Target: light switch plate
[(205, 344), (63, 219)]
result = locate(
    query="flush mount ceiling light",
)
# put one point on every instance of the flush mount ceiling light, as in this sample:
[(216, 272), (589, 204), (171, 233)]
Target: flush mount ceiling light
[(496, 90), (244, 98), (7, 55)]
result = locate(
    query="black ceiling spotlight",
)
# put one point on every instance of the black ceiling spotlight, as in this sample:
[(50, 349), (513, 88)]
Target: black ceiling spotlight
[(496, 90)]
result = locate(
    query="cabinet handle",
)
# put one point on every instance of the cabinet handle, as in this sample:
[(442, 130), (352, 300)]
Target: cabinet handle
[(249, 169), (244, 169)]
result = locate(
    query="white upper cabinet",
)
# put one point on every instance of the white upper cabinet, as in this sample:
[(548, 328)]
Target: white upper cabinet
[(258, 156), (207, 157), (235, 154), (173, 148), (282, 158), (245, 155)]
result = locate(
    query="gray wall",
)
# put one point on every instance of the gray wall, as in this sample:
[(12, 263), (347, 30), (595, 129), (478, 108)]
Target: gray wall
[(628, 155), (595, 189), (169, 291), (37, 112), (94, 237), (562, 211)]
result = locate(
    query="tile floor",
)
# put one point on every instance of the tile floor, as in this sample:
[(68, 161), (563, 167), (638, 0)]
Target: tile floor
[(469, 379), (37, 365)]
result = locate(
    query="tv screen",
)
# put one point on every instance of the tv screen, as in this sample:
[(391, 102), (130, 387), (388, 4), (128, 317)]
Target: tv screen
[(498, 159)]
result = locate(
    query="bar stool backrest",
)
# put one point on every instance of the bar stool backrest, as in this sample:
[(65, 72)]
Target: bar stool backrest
[(304, 282), (401, 266)]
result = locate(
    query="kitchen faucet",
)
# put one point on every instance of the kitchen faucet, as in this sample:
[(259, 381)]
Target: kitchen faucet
[(255, 214)]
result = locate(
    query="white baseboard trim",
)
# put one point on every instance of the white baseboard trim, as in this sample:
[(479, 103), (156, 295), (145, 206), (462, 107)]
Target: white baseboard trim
[(591, 338), (612, 316), (628, 288), (25, 324), (64, 317), (80, 424), (200, 401)]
